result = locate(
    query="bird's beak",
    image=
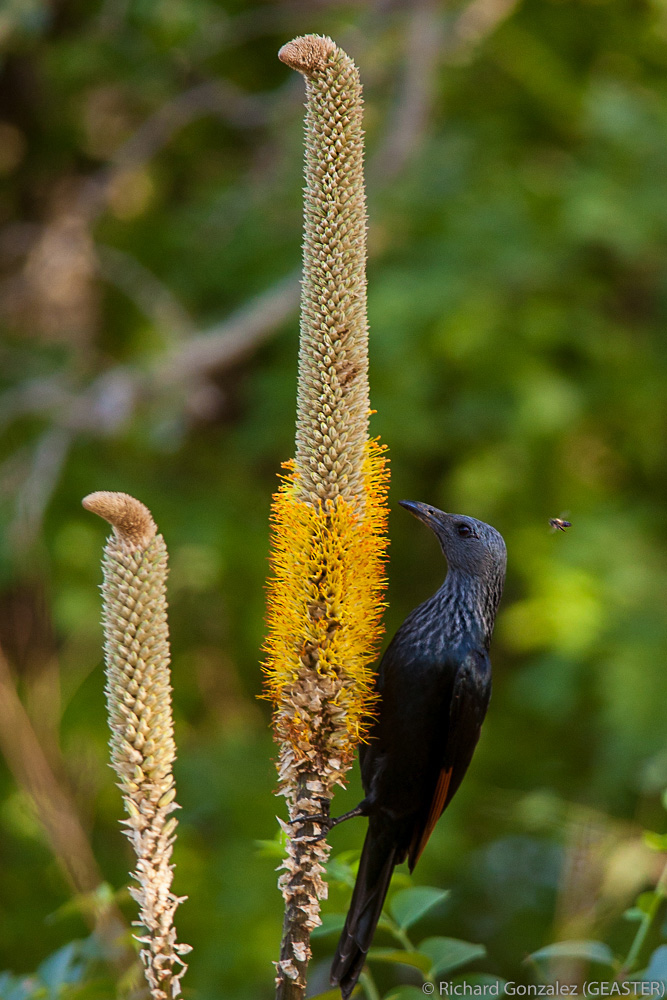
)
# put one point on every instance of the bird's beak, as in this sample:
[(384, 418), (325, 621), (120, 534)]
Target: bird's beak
[(422, 512)]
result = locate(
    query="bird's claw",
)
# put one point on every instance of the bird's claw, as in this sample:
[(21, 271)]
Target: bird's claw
[(320, 819), (311, 840), (326, 822)]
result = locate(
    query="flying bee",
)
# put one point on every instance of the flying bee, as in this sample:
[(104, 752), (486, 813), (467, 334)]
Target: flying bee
[(558, 524)]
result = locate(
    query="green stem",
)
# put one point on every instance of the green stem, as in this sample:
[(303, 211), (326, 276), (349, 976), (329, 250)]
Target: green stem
[(646, 923), (389, 924), (369, 986)]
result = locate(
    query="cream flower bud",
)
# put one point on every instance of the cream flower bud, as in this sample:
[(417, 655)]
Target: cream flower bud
[(138, 689)]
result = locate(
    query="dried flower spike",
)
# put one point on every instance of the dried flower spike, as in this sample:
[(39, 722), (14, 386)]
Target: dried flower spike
[(329, 517), (136, 651)]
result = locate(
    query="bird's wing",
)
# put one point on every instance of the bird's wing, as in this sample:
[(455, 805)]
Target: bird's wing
[(438, 802), (467, 708)]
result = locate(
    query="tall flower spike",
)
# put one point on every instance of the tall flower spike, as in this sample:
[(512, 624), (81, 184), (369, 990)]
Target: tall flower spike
[(329, 517), (136, 652)]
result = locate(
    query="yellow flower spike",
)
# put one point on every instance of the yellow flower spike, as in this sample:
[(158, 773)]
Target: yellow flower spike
[(329, 515)]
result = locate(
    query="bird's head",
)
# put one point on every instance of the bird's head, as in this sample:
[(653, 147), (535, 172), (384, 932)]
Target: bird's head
[(469, 545)]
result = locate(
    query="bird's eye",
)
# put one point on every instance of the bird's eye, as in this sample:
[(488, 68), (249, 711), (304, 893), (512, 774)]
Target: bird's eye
[(463, 530)]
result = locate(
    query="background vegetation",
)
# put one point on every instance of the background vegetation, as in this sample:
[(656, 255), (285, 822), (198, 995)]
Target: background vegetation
[(150, 225)]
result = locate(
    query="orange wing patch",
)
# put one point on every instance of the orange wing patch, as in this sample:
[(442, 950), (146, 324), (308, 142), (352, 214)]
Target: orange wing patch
[(437, 805)]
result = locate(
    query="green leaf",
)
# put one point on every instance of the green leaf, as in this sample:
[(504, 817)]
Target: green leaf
[(19, 987), (270, 848), (646, 901), (343, 868), (449, 953), (87, 904), (483, 979), (405, 993), (592, 951), (656, 841), (331, 923), (400, 881), (657, 967), (349, 860), (100, 988), (62, 967), (408, 906), (329, 995), (398, 956)]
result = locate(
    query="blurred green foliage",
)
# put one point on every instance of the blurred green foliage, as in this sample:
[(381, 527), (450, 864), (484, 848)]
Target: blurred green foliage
[(150, 188)]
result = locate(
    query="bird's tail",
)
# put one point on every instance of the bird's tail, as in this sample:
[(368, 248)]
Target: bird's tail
[(378, 859)]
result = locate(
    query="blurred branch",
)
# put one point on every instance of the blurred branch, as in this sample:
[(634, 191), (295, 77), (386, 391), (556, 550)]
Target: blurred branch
[(35, 396), (479, 20), (220, 98), (56, 811), (428, 42), (150, 295), (110, 400), (36, 490), (230, 341), (409, 121)]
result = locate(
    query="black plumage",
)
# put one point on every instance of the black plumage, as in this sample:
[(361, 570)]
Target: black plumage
[(434, 683)]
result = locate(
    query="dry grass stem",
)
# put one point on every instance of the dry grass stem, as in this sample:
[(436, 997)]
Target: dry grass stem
[(57, 812)]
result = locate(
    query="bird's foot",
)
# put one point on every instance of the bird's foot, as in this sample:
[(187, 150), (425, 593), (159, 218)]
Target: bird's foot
[(316, 837), (326, 822), (319, 818)]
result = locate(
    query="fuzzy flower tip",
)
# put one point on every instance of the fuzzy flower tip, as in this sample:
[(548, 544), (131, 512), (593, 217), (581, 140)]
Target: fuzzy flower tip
[(138, 689), (332, 395)]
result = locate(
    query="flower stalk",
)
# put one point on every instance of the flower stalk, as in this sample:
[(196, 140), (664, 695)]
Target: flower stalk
[(138, 690), (329, 516)]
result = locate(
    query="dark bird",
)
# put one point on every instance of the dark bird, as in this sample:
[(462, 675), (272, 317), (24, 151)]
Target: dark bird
[(434, 683), (558, 524)]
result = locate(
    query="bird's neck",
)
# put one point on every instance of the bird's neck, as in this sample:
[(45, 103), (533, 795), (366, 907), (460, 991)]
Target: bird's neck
[(467, 607)]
